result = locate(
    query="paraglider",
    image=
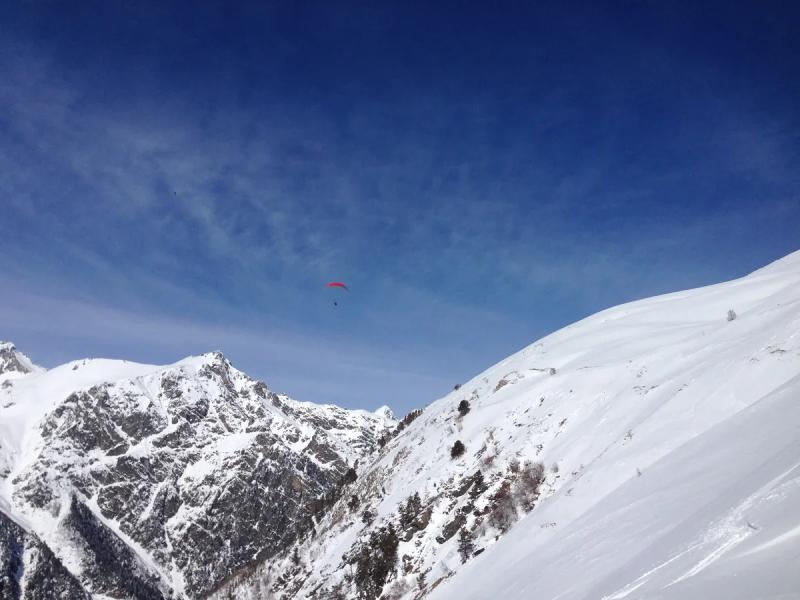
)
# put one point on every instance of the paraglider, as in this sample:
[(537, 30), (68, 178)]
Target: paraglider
[(337, 284)]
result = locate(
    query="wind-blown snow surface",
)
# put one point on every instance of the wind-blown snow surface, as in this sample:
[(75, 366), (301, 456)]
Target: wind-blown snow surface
[(676, 435)]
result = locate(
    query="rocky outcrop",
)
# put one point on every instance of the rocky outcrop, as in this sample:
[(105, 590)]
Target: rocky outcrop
[(14, 362), (109, 565), (29, 570)]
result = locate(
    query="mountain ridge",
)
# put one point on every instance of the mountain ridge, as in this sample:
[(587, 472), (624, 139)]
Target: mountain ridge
[(600, 404), (146, 457)]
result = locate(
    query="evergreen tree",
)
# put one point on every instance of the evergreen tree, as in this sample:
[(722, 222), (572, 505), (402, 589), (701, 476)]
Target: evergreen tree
[(465, 545), (376, 562), (421, 583), (457, 449), (463, 407), (402, 515), (350, 476), (387, 546), (363, 575), (415, 504), (409, 511)]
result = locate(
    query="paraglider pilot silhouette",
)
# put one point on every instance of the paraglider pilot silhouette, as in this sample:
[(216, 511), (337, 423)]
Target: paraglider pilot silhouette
[(340, 285)]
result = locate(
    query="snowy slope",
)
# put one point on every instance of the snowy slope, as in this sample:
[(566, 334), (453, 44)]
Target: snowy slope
[(671, 441), (716, 517)]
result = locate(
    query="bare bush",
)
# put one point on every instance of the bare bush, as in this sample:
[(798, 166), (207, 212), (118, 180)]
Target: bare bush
[(531, 477), (503, 512), (397, 589)]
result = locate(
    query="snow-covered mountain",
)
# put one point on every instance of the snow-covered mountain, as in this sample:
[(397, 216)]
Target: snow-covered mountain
[(143, 481), (649, 451)]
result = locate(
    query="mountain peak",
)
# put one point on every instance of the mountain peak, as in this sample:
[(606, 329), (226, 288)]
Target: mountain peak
[(214, 358), (12, 361), (385, 413)]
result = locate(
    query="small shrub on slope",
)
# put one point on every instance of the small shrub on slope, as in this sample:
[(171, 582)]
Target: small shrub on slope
[(457, 450), (503, 512), (463, 407), (531, 477)]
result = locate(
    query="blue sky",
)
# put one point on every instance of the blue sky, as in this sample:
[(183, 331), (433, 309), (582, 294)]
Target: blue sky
[(183, 177)]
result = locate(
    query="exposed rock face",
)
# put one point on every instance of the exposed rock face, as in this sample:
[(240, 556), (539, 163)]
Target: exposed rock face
[(29, 570), (109, 565), (196, 469), (12, 361)]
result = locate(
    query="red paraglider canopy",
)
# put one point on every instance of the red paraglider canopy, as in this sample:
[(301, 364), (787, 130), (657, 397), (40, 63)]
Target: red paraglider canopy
[(338, 284)]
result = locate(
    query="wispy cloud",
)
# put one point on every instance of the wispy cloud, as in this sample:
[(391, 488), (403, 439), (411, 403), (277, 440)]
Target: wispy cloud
[(467, 224), (310, 366)]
